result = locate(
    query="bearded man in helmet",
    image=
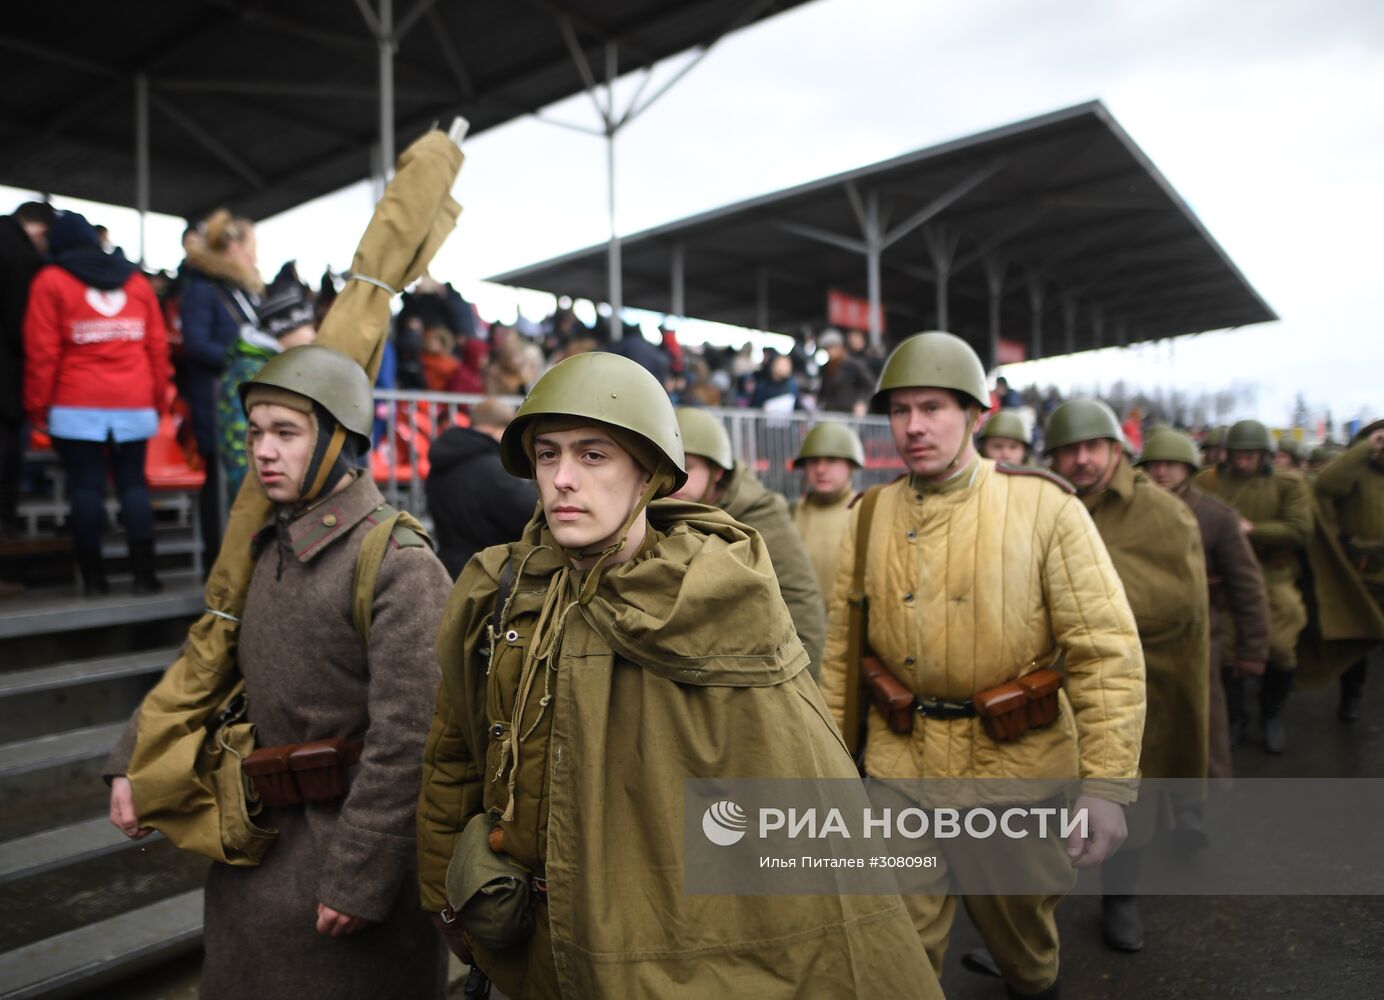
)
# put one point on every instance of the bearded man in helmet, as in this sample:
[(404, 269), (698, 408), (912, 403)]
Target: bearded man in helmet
[(332, 909), (828, 458), (716, 478), (1155, 544), (1276, 510), (624, 645), (974, 575), (1006, 438)]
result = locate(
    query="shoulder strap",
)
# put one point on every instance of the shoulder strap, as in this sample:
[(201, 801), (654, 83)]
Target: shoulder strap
[(857, 639), (398, 527)]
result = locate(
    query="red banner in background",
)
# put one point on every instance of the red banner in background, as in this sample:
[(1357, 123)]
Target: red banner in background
[(850, 312), (1010, 352)]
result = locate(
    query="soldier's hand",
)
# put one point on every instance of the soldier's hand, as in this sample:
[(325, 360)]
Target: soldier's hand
[(123, 810), (455, 937), (1248, 668), (334, 923), (1246, 526), (1106, 830)]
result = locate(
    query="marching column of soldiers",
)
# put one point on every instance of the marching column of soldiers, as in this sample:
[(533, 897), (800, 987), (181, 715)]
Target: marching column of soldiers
[(515, 789)]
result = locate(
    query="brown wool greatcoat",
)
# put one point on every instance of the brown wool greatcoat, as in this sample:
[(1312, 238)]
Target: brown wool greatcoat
[(308, 676)]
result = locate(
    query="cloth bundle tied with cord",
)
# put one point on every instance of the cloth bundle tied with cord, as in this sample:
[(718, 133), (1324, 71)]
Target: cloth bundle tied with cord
[(409, 225)]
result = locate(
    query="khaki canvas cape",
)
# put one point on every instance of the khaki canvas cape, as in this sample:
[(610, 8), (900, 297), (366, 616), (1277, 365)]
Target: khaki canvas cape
[(172, 793), (684, 665), (1343, 621)]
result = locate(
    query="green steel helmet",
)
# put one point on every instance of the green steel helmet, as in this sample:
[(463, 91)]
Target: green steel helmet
[(1290, 447), (1326, 452), (1215, 437), (1169, 445), (1007, 424), (831, 440), (328, 378), (607, 389), (932, 360), (1079, 420), (703, 434), (1248, 435)]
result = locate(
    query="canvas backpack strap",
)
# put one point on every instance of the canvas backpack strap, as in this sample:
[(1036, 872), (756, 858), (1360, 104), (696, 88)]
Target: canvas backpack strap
[(393, 527)]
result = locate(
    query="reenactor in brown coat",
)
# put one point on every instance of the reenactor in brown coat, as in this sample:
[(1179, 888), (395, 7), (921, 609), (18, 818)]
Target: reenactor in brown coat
[(1277, 512), (1155, 545), (1236, 583), (1351, 490), (828, 458), (332, 908)]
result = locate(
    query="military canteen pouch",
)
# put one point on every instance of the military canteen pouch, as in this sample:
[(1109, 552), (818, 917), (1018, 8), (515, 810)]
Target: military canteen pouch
[(891, 697), (488, 891), (1010, 710), (295, 773)]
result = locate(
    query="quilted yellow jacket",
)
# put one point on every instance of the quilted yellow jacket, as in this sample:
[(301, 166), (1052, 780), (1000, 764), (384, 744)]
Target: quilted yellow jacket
[(977, 581)]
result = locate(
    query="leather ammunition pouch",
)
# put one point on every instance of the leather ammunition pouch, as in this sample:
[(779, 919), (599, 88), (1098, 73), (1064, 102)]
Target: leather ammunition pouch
[(891, 698), (1012, 709), (294, 773)]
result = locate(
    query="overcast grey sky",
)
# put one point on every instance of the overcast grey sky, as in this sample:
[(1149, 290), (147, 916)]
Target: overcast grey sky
[(1264, 115)]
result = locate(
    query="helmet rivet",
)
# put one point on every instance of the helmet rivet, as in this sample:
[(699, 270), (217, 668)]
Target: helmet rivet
[(614, 395)]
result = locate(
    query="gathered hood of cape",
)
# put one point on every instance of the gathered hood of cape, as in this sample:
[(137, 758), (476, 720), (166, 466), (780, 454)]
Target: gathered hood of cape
[(684, 665)]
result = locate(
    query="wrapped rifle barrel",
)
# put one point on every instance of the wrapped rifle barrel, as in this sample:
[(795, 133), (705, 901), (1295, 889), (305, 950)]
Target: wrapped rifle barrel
[(172, 769)]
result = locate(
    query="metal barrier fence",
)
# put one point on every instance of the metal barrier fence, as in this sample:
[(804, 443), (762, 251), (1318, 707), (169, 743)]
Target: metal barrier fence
[(408, 422)]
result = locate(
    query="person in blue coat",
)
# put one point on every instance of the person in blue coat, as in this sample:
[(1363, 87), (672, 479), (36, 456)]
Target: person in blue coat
[(223, 288)]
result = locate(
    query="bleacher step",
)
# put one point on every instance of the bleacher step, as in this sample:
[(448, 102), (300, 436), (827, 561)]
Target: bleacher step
[(57, 749), (80, 960), (65, 610), (72, 673), (63, 845)]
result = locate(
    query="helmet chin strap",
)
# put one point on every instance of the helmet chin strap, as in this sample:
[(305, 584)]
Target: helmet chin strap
[(661, 478), (972, 415)]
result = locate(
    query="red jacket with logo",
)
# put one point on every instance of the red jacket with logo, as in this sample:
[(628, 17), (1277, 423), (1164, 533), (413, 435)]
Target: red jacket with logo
[(89, 347)]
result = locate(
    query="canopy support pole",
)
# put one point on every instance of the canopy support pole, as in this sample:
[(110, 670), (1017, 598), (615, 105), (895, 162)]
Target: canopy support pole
[(941, 243), (875, 242), (381, 26), (994, 283), (1069, 321), (679, 282), (142, 157), (1035, 306), (612, 128), (761, 299)]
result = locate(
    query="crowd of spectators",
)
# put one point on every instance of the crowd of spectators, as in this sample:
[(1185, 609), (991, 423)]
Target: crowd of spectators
[(102, 393)]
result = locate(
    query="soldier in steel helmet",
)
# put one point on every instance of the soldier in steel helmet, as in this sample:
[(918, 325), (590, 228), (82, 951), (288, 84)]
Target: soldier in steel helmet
[(1351, 490), (1006, 438), (1155, 545), (716, 478), (968, 576), (1236, 585), (1213, 446), (332, 909), (1276, 511), (1321, 456), (624, 645), (828, 458), (1288, 455)]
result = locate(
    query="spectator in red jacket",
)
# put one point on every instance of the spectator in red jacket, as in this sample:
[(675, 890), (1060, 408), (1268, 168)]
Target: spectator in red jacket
[(97, 377)]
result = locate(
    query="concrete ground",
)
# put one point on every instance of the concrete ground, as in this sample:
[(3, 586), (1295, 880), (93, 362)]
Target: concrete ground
[(1313, 947)]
